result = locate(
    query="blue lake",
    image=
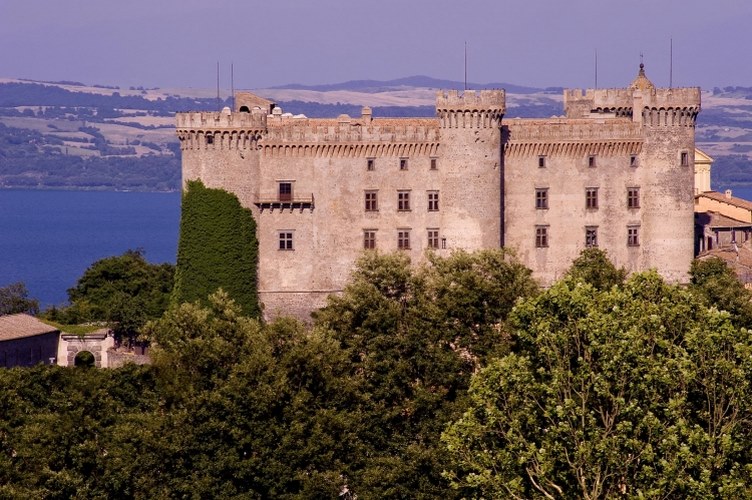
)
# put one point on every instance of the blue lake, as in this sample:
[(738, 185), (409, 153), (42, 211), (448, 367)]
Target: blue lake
[(49, 238)]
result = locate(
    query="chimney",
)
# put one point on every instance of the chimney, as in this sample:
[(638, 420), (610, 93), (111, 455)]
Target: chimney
[(728, 194), (366, 114)]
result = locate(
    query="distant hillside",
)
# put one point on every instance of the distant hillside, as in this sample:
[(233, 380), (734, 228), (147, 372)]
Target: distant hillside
[(77, 136), (375, 86)]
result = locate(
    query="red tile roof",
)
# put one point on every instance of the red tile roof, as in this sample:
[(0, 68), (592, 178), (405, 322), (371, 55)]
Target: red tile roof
[(733, 200), (16, 326)]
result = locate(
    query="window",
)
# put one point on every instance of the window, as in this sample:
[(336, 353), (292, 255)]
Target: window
[(372, 201), (541, 198), (633, 160), (403, 163), (591, 236), (541, 236), (433, 201), (369, 239), (434, 164), (403, 239), (371, 164), (403, 201), (633, 236), (591, 161), (633, 197), (684, 159), (433, 238), (541, 161), (285, 240), (285, 191), (591, 198), (210, 138)]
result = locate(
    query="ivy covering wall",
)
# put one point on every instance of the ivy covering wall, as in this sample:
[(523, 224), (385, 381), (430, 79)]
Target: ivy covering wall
[(217, 249)]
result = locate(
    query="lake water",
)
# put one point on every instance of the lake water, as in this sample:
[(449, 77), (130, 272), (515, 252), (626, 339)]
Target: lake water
[(49, 238)]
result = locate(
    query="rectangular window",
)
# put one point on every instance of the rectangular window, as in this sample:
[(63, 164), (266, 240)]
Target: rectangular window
[(633, 236), (403, 163), (433, 238), (434, 163), (633, 197), (541, 198), (371, 164), (591, 198), (285, 191), (403, 239), (403, 201), (633, 160), (541, 236), (541, 161), (285, 240), (591, 236), (372, 201), (591, 161), (433, 201), (684, 159), (369, 239)]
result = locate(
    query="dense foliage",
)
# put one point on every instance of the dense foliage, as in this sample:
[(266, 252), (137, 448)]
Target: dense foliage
[(124, 291), (636, 390), (217, 248), (631, 388)]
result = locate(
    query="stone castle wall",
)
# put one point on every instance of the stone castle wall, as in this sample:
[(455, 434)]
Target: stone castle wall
[(470, 179)]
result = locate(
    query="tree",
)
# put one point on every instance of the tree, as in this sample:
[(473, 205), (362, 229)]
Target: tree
[(14, 298), (217, 249), (633, 391), (413, 337), (594, 267), (718, 286), (124, 291)]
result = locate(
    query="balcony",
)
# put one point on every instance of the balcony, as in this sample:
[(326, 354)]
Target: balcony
[(284, 201)]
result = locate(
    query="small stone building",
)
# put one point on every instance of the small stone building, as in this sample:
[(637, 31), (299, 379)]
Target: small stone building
[(26, 341)]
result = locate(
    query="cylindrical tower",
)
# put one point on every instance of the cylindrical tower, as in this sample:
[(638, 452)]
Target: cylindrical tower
[(470, 161)]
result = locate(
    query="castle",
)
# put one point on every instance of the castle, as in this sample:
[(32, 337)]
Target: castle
[(615, 172)]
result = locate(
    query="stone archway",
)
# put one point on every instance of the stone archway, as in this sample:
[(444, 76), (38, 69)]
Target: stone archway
[(84, 359), (95, 343)]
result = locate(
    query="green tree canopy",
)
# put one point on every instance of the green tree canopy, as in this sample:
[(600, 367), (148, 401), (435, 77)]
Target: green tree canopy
[(594, 267), (636, 391), (718, 285), (125, 291), (217, 249)]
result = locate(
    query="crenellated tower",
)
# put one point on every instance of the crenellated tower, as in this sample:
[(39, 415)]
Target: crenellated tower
[(470, 131)]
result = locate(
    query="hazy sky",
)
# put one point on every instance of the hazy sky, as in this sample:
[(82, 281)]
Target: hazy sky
[(176, 43)]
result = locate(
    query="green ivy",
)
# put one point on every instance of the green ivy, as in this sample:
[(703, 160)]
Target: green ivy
[(217, 249)]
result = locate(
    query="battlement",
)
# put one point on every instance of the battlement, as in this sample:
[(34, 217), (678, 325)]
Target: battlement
[(222, 120), (470, 100), (344, 129)]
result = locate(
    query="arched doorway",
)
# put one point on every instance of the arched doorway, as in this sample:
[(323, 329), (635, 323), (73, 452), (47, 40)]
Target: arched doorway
[(84, 359)]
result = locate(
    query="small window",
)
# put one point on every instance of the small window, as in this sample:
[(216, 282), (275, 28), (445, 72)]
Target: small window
[(433, 201), (369, 239), (633, 197), (541, 161), (403, 163), (541, 198), (285, 240), (591, 236), (541, 236), (403, 201), (403, 239), (684, 159), (371, 164), (210, 138), (633, 160), (633, 236), (433, 238), (591, 161), (372, 201), (285, 191), (591, 198), (434, 164)]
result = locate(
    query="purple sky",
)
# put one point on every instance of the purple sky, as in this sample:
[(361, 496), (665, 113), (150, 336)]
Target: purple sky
[(176, 43)]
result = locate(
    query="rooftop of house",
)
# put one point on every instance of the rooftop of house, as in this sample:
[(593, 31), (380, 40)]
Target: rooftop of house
[(714, 220), (726, 198), (17, 326)]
